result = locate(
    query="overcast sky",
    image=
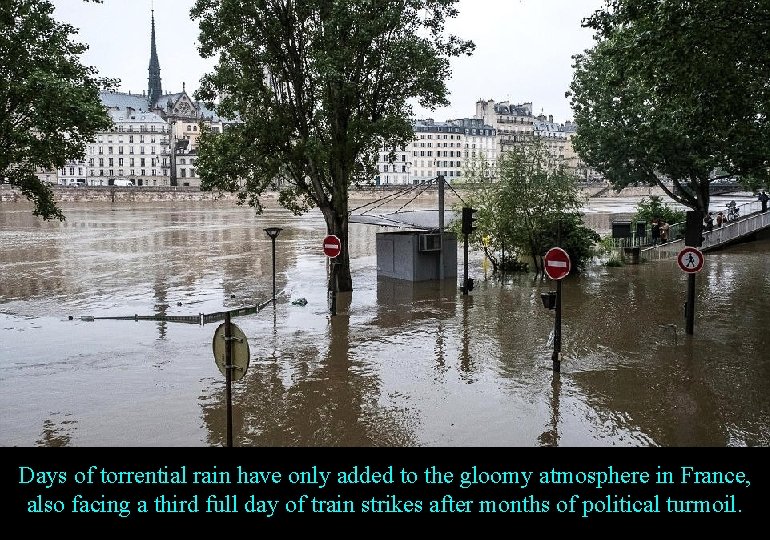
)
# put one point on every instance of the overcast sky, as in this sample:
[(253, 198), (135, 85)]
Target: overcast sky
[(523, 48)]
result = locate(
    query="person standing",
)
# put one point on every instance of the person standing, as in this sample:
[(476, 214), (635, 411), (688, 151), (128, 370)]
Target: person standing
[(708, 222), (763, 198), (655, 231), (720, 219), (664, 232)]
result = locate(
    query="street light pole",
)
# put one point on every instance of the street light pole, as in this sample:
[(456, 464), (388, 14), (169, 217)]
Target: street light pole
[(273, 232)]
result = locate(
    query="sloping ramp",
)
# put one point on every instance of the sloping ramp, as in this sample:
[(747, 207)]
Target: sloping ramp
[(730, 232)]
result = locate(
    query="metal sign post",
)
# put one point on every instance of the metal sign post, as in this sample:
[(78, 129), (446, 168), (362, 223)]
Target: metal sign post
[(557, 265), (690, 260), (229, 378), (332, 249), (231, 355)]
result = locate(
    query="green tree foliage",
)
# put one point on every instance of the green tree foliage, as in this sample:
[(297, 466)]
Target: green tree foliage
[(648, 210), (318, 86), (675, 90), (49, 101), (534, 206)]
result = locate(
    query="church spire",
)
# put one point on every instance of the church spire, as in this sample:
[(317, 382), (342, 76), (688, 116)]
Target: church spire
[(153, 89)]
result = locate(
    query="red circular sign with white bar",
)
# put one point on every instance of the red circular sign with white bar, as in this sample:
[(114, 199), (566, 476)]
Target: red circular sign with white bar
[(332, 246), (557, 263)]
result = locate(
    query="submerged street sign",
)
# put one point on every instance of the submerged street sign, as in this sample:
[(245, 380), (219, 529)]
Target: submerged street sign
[(240, 351), (557, 263)]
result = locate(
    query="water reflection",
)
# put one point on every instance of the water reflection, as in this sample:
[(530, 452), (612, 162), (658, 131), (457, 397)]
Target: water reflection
[(310, 398), (403, 364), (57, 433)]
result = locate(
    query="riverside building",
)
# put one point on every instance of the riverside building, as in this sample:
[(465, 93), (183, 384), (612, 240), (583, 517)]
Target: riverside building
[(438, 148)]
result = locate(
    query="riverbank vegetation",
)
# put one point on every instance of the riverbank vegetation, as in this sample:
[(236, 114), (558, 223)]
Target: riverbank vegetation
[(318, 88), (49, 101), (675, 91), (534, 206)]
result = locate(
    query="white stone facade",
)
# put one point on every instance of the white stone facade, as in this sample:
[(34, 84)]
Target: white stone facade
[(438, 148), (136, 148)]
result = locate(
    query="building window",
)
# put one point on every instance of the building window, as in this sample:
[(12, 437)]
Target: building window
[(182, 173)]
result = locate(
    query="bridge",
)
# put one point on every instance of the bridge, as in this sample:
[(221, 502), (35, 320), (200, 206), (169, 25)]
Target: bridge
[(750, 220)]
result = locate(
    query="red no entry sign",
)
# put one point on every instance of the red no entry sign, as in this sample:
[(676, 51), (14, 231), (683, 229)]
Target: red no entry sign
[(332, 246), (557, 263), (690, 260)]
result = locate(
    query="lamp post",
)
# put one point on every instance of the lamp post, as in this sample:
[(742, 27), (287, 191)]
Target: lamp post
[(273, 232)]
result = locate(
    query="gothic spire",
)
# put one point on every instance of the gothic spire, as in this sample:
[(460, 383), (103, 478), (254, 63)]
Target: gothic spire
[(153, 89)]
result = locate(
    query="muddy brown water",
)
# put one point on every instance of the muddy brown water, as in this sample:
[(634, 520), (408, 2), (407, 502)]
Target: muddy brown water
[(405, 364)]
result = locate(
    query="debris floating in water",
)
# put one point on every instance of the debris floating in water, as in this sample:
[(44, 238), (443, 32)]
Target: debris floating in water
[(299, 302)]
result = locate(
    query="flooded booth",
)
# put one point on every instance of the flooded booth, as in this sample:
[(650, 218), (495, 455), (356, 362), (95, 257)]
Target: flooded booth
[(416, 255)]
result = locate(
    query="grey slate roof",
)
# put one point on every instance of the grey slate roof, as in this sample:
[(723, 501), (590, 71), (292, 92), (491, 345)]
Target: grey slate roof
[(119, 100)]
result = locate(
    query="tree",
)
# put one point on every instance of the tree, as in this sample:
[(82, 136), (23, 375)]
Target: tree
[(318, 86), (533, 207), (673, 91), (49, 101), (647, 211)]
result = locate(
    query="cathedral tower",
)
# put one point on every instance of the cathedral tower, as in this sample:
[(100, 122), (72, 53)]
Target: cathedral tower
[(153, 88)]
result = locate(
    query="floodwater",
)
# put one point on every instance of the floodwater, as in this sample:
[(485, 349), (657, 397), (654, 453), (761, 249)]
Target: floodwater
[(404, 364)]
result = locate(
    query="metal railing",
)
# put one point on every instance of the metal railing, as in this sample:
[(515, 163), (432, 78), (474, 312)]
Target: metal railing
[(734, 230), (749, 220)]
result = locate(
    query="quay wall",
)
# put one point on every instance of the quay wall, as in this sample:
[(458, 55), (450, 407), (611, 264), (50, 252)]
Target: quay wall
[(116, 194)]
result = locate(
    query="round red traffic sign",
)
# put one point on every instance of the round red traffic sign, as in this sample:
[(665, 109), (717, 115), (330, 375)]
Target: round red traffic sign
[(690, 260), (332, 246), (557, 263)]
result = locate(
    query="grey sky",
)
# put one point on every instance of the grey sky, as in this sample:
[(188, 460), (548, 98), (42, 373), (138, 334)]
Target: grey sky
[(523, 48)]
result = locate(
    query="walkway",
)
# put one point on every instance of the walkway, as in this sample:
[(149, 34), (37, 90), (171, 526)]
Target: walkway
[(750, 221)]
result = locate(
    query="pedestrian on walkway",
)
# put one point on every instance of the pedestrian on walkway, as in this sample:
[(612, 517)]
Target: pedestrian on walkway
[(763, 198), (720, 219), (708, 222), (655, 231), (664, 232)]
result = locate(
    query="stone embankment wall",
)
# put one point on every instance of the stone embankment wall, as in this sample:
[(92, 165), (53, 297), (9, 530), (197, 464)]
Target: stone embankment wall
[(148, 194)]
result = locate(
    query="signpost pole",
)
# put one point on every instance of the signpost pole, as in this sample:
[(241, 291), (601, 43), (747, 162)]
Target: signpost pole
[(229, 378), (557, 265), (690, 260), (465, 265), (689, 311), (441, 226), (557, 330), (332, 249)]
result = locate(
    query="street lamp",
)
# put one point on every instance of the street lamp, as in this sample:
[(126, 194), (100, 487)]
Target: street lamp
[(273, 232)]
